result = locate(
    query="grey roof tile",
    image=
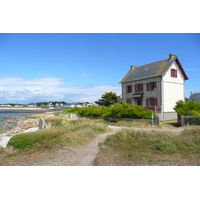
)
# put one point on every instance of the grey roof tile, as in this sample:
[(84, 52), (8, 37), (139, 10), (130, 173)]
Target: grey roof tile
[(148, 71), (195, 97)]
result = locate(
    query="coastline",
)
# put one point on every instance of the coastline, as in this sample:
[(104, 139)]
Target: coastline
[(28, 110)]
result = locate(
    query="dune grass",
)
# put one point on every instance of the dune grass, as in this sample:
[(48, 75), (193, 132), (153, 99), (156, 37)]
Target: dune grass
[(150, 146), (63, 132)]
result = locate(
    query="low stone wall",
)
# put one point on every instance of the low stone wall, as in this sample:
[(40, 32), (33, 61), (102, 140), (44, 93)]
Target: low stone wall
[(188, 120)]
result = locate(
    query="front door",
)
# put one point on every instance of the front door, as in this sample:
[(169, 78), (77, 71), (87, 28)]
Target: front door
[(139, 101)]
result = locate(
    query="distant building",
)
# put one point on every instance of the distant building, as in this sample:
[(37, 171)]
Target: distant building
[(194, 97)]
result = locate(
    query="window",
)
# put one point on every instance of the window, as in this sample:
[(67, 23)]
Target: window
[(129, 88), (174, 73), (139, 88), (151, 86), (151, 102)]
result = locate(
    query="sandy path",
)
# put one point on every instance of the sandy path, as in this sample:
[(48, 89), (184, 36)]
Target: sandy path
[(73, 156)]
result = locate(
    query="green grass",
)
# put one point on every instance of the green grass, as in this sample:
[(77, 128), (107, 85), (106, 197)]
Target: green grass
[(75, 132), (153, 145)]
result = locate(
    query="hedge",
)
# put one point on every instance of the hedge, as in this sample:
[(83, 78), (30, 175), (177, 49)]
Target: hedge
[(123, 110)]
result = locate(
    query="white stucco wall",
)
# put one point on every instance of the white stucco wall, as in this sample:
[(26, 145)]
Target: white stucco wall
[(173, 89)]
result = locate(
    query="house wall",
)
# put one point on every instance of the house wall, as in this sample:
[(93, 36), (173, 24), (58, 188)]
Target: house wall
[(147, 94), (173, 89)]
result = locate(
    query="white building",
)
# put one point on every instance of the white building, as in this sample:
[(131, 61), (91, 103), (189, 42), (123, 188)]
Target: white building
[(156, 86)]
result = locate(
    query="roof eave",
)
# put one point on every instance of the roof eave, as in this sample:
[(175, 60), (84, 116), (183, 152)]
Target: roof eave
[(181, 68), (141, 79)]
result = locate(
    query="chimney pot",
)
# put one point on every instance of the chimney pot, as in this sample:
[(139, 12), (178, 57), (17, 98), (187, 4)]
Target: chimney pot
[(171, 56), (132, 67)]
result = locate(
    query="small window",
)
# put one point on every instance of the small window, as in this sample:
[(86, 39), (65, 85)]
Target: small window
[(151, 102), (129, 88), (151, 86), (174, 73), (139, 88)]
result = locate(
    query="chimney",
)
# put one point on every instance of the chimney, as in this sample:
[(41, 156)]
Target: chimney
[(132, 67), (172, 56)]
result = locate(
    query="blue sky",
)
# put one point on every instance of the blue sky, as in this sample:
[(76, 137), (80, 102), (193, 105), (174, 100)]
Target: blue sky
[(82, 66)]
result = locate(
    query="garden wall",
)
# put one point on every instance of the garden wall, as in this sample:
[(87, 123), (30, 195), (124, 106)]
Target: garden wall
[(188, 120)]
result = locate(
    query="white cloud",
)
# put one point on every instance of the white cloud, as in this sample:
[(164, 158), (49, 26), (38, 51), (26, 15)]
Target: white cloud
[(18, 90), (84, 74)]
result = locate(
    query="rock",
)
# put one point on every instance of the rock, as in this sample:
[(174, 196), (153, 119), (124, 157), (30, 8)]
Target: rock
[(42, 124), (28, 123)]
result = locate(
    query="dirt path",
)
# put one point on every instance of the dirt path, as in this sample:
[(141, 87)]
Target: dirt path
[(66, 156)]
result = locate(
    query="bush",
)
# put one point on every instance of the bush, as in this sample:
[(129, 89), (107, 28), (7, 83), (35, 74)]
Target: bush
[(190, 108), (123, 110)]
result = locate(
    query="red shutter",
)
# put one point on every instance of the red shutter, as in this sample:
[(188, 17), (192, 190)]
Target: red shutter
[(147, 86), (135, 88), (155, 102), (126, 89), (128, 101), (147, 102), (142, 87), (154, 85), (130, 88), (171, 72)]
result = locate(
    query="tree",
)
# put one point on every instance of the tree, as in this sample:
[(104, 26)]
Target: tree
[(107, 99)]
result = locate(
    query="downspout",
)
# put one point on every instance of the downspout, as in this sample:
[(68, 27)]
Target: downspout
[(162, 98)]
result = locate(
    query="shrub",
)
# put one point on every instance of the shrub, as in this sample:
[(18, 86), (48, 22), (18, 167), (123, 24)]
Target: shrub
[(190, 108), (123, 110)]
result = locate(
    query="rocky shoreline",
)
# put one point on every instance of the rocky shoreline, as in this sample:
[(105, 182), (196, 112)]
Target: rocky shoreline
[(9, 130), (8, 123)]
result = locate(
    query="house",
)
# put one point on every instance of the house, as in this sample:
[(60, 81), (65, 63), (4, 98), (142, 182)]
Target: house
[(194, 97), (156, 86)]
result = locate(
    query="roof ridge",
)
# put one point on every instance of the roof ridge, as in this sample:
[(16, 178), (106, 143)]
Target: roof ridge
[(154, 62)]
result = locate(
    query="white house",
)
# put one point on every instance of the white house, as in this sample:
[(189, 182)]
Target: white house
[(156, 86)]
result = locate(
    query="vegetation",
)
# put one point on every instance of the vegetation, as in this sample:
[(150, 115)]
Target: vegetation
[(75, 132), (139, 147), (123, 110), (190, 108), (107, 99)]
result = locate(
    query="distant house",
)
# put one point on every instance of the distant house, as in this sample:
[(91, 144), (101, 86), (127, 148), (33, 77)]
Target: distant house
[(156, 86), (194, 97)]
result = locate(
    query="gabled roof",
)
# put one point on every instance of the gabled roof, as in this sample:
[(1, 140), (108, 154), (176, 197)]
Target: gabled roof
[(195, 97), (151, 70)]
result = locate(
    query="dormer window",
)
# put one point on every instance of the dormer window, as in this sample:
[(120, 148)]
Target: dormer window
[(174, 73)]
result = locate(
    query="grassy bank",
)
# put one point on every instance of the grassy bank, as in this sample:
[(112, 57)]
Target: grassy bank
[(63, 132), (129, 147)]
